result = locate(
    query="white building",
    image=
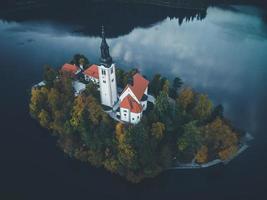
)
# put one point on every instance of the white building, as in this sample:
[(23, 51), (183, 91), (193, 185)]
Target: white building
[(133, 100), (78, 87), (107, 76), (108, 85)]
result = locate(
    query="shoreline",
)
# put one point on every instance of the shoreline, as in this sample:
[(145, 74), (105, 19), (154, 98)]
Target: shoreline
[(243, 146)]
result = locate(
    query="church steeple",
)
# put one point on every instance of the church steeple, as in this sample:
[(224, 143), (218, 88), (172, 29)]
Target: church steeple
[(105, 58)]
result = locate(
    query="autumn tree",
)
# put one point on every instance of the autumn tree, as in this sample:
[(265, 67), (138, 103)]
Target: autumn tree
[(44, 118), (38, 100), (166, 87), (78, 112), (96, 113), (54, 99), (120, 135), (202, 154), (220, 137), (157, 130), (203, 107), (186, 98), (80, 59)]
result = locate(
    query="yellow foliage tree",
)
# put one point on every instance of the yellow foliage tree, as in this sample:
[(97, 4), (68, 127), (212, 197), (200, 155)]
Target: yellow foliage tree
[(96, 111), (44, 118), (202, 154), (221, 137), (78, 111), (185, 98), (38, 99), (203, 107), (227, 153), (157, 130), (120, 136)]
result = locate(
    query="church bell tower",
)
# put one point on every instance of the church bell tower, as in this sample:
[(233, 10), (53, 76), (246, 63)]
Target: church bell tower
[(107, 75)]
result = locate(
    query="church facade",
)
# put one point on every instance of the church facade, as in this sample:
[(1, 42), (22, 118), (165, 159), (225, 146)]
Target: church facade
[(132, 102)]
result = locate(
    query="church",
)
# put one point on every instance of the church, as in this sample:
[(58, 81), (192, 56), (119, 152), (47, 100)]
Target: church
[(132, 102)]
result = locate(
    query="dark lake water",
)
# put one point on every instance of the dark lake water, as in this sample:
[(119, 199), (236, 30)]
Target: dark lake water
[(221, 52)]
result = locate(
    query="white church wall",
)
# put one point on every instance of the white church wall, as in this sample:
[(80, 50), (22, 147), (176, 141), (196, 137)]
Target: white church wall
[(108, 85), (124, 114), (135, 117)]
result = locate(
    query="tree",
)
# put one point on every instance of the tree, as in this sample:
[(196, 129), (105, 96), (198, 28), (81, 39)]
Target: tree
[(49, 75), (44, 118), (78, 112), (217, 112), (162, 104), (38, 100), (191, 138), (54, 100), (186, 98), (127, 156), (120, 77), (157, 130), (220, 137), (82, 62), (203, 107), (120, 135), (177, 83), (155, 85), (166, 87), (91, 89), (227, 152), (96, 113), (80, 59), (202, 154)]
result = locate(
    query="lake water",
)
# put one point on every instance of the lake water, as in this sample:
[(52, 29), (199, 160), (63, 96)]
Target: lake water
[(221, 52)]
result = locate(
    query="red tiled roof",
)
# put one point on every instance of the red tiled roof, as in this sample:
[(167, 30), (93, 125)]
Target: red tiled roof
[(139, 85), (70, 68), (92, 71), (129, 103)]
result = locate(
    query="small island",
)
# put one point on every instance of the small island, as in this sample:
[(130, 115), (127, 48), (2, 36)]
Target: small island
[(129, 125)]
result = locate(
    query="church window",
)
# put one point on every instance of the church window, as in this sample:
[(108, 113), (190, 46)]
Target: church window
[(112, 80), (104, 81), (112, 70), (103, 72)]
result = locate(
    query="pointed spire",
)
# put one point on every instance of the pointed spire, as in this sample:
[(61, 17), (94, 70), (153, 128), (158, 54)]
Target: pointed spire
[(105, 58), (103, 33)]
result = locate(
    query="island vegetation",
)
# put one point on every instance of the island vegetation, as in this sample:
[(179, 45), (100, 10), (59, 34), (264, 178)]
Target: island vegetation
[(182, 126)]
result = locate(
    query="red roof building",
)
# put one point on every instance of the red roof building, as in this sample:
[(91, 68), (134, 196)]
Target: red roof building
[(133, 99), (92, 71), (72, 69), (129, 103), (140, 84)]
